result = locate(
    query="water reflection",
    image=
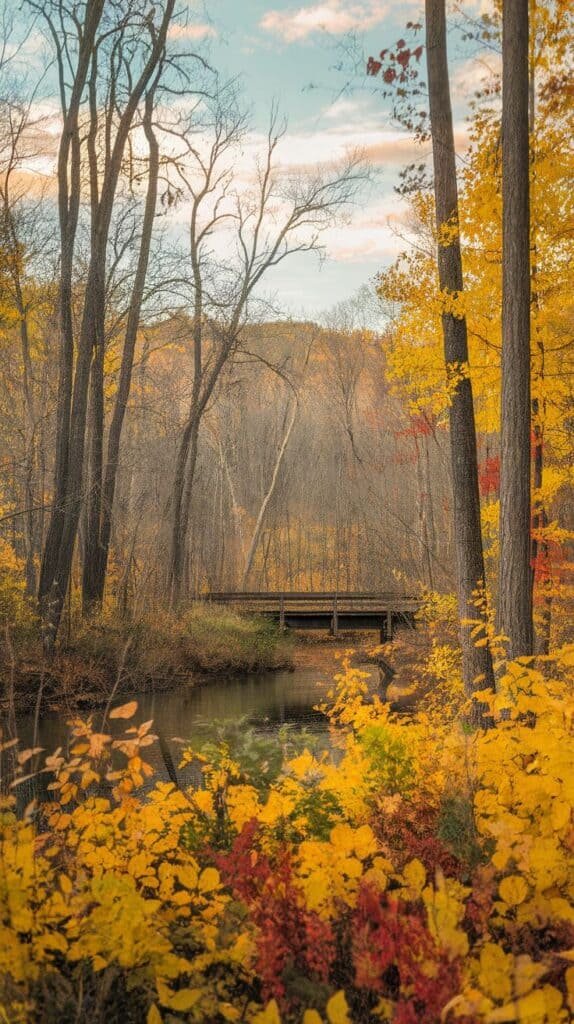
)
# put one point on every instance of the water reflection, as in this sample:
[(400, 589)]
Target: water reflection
[(266, 701)]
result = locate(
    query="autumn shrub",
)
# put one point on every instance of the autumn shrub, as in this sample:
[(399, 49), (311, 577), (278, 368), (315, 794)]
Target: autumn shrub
[(17, 619), (413, 872)]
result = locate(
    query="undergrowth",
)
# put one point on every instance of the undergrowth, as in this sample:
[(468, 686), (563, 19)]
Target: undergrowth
[(417, 872)]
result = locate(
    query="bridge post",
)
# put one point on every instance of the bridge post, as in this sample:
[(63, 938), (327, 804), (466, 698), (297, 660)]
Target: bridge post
[(282, 612), (335, 619), (386, 634)]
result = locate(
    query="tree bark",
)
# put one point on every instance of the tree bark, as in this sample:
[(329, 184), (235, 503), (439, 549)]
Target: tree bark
[(476, 661), (515, 590)]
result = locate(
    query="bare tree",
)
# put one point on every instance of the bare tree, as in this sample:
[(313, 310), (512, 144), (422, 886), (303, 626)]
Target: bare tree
[(101, 498), (135, 43), (288, 424), (281, 216)]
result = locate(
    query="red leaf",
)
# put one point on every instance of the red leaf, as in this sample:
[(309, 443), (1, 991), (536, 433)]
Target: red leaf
[(489, 475)]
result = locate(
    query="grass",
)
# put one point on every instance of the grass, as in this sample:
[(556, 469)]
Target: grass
[(206, 640), (218, 639), (158, 648)]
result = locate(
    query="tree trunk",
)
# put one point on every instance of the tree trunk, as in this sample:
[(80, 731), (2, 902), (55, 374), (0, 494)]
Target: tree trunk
[(95, 569), (61, 540), (91, 551), (515, 590), (181, 495), (69, 191), (268, 495), (476, 661)]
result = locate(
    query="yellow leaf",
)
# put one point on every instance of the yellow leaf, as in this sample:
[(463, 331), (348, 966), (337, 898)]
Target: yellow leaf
[(270, 1015), (125, 710), (98, 741), (513, 890), (311, 1017), (300, 766), (495, 972), (208, 880), (153, 1015), (537, 1007), (445, 910), (185, 999), (415, 876), (338, 1010), (25, 755)]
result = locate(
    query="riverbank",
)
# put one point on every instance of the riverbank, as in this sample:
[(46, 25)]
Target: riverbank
[(108, 655)]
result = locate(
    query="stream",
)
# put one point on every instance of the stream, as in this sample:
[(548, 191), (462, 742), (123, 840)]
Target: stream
[(266, 701)]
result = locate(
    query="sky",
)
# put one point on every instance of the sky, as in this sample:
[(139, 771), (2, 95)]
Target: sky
[(308, 57), (298, 53)]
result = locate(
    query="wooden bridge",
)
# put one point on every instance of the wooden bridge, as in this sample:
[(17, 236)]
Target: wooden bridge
[(334, 611)]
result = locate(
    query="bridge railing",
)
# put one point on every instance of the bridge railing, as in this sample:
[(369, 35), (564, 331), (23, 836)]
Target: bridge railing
[(304, 595)]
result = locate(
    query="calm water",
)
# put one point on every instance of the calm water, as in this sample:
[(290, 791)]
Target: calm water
[(266, 701)]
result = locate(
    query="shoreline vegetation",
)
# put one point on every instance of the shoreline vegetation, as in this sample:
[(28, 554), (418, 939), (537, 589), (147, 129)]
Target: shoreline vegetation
[(108, 654)]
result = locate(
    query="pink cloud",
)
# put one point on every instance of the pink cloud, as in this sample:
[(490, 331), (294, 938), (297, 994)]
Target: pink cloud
[(191, 32), (334, 16)]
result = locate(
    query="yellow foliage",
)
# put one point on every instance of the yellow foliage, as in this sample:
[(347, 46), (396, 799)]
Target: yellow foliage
[(122, 882)]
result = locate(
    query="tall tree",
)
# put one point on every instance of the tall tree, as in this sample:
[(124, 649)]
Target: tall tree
[(134, 43), (515, 590), (69, 194), (103, 485), (289, 419), (477, 663)]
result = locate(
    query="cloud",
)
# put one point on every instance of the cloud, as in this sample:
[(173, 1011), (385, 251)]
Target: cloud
[(333, 16), (374, 234), (473, 74), (191, 32)]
